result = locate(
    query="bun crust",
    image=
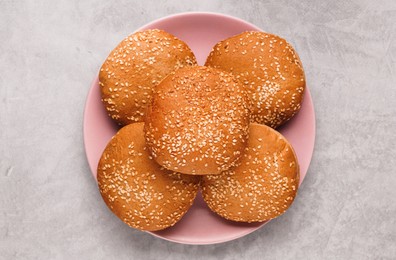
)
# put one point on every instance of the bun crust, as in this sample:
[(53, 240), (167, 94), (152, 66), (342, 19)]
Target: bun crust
[(262, 187), (139, 191), (135, 67), (270, 69), (198, 121)]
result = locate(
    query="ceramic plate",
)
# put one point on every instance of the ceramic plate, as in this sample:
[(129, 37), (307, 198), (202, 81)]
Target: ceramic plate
[(200, 31)]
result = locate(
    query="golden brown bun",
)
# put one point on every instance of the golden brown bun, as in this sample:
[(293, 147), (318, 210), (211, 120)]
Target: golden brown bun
[(263, 186), (270, 69), (134, 67), (139, 191), (198, 121)]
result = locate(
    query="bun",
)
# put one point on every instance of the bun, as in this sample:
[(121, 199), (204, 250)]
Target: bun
[(270, 69), (262, 187), (198, 121), (135, 67), (139, 191)]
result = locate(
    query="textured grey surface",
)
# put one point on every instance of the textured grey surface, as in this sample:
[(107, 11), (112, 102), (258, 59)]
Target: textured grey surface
[(49, 205)]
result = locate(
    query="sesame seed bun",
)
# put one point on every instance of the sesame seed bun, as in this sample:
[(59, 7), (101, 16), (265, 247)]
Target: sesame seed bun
[(134, 67), (139, 191), (198, 121), (263, 186), (270, 69)]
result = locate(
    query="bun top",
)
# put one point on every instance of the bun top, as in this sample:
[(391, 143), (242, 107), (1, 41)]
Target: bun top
[(135, 67), (198, 121), (139, 191), (263, 186), (269, 68)]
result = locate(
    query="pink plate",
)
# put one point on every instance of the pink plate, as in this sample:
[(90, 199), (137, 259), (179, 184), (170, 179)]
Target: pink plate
[(200, 31)]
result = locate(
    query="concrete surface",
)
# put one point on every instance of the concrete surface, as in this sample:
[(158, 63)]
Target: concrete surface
[(49, 205)]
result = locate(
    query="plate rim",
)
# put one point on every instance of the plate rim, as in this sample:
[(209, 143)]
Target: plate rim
[(214, 14)]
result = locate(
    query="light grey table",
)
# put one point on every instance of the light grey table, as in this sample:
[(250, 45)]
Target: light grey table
[(49, 204)]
